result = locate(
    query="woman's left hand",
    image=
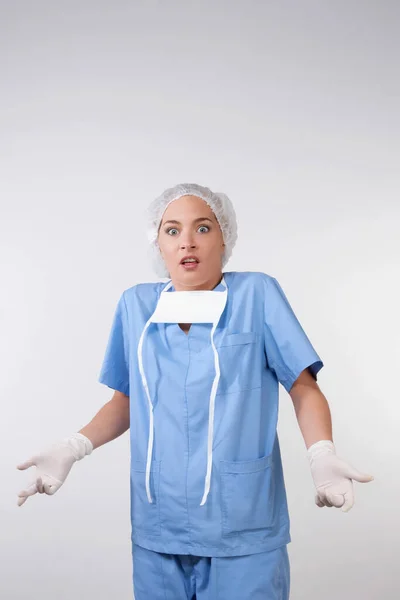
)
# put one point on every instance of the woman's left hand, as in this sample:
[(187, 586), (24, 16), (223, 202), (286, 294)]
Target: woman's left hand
[(333, 476)]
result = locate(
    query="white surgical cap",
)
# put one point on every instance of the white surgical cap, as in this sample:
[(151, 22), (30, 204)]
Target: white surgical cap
[(220, 205)]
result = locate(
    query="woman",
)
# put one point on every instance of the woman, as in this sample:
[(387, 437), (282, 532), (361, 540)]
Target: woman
[(195, 365)]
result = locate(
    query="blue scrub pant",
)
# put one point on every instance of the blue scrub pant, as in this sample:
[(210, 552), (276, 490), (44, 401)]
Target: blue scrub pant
[(264, 576)]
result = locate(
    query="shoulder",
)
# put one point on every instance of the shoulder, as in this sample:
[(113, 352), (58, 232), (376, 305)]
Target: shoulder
[(250, 278), (142, 291), (144, 288), (138, 301), (257, 284)]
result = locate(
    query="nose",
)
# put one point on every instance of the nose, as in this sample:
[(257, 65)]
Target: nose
[(187, 241)]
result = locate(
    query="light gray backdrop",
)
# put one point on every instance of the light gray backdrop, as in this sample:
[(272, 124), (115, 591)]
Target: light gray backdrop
[(291, 108)]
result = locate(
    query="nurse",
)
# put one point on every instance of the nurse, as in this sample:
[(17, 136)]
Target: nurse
[(195, 364)]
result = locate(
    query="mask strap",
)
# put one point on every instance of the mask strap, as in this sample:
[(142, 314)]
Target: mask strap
[(151, 416), (213, 394)]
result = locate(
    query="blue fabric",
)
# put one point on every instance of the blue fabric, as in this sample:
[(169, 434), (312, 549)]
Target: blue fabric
[(263, 576), (260, 343), (115, 367)]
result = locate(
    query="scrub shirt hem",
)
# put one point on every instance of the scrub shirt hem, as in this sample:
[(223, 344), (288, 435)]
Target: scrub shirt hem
[(244, 549)]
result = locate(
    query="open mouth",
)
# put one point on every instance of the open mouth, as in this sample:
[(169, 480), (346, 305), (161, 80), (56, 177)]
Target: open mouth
[(189, 263)]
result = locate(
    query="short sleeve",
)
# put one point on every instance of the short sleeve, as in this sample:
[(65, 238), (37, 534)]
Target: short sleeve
[(115, 368), (287, 347)]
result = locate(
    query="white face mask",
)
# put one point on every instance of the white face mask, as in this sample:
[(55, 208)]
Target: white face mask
[(198, 306)]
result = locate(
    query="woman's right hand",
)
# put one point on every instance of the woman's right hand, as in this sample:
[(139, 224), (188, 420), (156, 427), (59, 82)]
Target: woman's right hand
[(53, 465)]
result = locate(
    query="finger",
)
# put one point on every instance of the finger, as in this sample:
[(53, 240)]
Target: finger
[(336, 500), (50, 488), (349, 501), (39, 485), (320, 501), (21, 500), (26, 464), (353, 473), (30, 491), (324, 498)]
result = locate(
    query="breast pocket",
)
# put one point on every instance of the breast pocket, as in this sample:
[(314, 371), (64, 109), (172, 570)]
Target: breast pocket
[(145, 516), (240, 360), (247, 495)]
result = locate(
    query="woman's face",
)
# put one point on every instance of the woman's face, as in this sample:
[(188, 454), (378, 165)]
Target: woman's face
[(189, 227)]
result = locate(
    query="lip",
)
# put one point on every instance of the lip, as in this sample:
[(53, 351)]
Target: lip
[(189, 256), (190, 266)]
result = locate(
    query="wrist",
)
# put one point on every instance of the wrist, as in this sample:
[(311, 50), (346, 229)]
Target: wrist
[(80, 445), (320, 448)]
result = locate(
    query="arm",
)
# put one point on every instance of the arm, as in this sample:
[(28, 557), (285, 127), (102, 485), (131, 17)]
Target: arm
[(312, 409), (54, 464), (110, 422), (332, 475), (295, 363)]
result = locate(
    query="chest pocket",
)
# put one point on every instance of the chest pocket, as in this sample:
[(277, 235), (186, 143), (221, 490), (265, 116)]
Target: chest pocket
[(241, 361)]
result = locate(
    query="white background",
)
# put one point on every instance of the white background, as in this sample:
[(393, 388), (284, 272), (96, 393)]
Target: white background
[(290, 108)]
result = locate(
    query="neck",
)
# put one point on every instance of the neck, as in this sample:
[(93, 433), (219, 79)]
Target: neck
[(207, 285)]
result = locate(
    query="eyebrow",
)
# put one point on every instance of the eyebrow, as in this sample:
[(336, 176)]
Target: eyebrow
[(195, 221)]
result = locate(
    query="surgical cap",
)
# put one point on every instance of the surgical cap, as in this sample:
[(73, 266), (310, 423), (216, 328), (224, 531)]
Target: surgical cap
[(219, 203)]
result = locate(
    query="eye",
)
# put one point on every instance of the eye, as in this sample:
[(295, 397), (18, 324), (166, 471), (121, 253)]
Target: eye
[(171, 229)]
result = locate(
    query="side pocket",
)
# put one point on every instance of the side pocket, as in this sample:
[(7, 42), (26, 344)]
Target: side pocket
[(145, 516), (247, 495)]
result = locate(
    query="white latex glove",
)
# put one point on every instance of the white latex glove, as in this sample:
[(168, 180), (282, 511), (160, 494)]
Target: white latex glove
[(54, 464), (333, 476)]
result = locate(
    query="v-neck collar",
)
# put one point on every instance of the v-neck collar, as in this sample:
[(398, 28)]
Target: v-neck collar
[(218, 288)]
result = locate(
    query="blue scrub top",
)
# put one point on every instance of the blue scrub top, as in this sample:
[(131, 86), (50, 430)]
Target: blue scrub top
[(260, 344)]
